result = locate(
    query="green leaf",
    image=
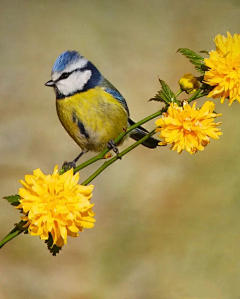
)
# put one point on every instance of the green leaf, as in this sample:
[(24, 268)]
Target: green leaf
[(195, 59), (54, 249), (157, 98), (165, 94), (13, 199)]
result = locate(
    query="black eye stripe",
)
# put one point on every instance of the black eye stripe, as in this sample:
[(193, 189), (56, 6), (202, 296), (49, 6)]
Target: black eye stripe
[(67, 74), (64, 76)]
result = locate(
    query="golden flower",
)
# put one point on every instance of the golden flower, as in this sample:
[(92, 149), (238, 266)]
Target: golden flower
[(188, 127), (56, 205), (224, 68), (189, 83)]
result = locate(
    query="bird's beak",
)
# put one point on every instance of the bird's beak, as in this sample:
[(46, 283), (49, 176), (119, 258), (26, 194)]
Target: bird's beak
[(50, 83)]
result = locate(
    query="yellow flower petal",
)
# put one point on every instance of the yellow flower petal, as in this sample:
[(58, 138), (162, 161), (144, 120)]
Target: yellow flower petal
[(55, 204), (187, 127), (224, 68)]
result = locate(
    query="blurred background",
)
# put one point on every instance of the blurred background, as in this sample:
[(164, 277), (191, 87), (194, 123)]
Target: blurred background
[(167, 225)]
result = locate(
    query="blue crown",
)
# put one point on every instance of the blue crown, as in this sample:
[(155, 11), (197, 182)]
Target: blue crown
[(65, 59)]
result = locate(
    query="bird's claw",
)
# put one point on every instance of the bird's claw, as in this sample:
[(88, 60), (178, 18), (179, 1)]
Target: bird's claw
[(68, 165)]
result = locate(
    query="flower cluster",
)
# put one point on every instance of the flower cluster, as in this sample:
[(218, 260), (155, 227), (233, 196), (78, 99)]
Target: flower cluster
[(56, 205), (187, 127), (224, 68)]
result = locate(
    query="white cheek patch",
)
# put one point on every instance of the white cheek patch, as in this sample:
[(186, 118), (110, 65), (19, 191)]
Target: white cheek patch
[(76, 81)]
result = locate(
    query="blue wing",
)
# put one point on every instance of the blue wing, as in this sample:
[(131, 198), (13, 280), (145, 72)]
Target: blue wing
[(109, 88), (138, 133)]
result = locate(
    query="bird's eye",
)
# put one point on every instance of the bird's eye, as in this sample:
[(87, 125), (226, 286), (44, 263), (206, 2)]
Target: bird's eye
[(64, 76)]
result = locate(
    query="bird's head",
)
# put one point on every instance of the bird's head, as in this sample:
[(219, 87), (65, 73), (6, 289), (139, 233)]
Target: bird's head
[(72, 73)]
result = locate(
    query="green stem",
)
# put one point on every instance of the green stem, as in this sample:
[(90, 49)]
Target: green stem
[(202, 95), (92, 160), (178, 93), (195, 96), (115, 158), (118, 139), (13, 233)]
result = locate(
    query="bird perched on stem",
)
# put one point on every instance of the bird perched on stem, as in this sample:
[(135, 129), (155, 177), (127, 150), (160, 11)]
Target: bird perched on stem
[(90, 108)]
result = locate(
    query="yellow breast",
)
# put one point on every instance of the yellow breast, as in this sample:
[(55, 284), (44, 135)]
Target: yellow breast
[(92, 118)]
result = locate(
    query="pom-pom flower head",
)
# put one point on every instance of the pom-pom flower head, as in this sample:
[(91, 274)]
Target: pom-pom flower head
[(187, 127), (55, 205), (224, 68)]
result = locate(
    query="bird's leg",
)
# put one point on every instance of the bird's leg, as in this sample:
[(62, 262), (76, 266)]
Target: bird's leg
[(69, 165), (112, 146)]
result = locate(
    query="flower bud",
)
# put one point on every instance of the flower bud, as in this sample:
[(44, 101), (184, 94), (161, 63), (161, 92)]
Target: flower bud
[(189, 83)]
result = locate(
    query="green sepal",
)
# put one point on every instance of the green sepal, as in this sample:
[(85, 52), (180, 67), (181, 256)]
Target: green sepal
[(206, 88), (204, 52), (195, 59), (202, 69), (54, 249), (165, 95), (13, 199), (20, 225)]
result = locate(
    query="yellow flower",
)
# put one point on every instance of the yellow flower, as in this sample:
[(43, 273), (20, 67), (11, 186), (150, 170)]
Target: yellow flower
[(224, 68), (56, 205), (189, 83), (187, 127)]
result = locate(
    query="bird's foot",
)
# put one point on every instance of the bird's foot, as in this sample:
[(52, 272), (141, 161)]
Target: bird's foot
[(68, 165), (112, 146)]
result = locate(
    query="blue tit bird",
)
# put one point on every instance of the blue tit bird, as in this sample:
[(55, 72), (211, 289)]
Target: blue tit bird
[(90, 108)]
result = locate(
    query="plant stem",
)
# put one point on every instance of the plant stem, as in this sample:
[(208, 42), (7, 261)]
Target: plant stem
[(195, 96), (202, 95), (178, 93), (115, 158), (118, 139), (13, 233)]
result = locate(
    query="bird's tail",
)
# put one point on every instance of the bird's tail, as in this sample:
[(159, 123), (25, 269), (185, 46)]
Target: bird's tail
[(139, 133)]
